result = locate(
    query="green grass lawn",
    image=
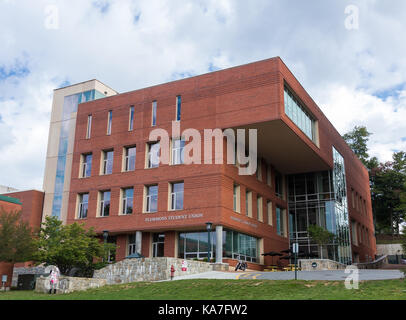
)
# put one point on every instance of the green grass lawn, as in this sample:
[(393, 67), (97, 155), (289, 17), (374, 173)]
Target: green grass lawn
[(229, 290)]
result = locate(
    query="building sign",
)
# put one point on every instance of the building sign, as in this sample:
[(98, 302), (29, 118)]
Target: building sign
[(245, 222), (175, 217)]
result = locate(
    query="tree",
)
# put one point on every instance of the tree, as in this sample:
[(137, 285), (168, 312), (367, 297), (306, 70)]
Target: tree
[(321, 236), (71, 246), (357, 140), (16, 238)]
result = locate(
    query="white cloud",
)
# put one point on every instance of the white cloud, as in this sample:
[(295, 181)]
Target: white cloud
[(133, 44)]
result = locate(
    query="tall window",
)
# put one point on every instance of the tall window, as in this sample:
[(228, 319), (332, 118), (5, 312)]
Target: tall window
[(132, 244), (278, 185), (104, 203), (83, 205), (248, 203), (269, 212), (260, 216), (129, 158), (178, 155), (153, 121), (153, 155), (280, 221), (151, 200), (298, 114), (127, 200), (107, 162), (236, 198), (86, 165), (89, 126), (177, 196), (131, 119), (259, 169), (268, 176), (178, 107), (109, 120)]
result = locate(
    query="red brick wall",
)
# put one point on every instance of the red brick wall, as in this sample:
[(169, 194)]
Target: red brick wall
[(6, 269)]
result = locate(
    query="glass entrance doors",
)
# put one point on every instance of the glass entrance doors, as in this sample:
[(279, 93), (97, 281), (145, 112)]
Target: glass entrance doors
[(158, 240)]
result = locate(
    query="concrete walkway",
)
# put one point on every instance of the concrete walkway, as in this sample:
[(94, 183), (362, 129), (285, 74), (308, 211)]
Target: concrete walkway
[(333, 275)]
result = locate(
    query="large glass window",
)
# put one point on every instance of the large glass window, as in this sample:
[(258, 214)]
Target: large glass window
[(127, 202), (151, 199), (194, 245), (104, 203), (129, 159), (83, 205), (86, 165), (177, 196), (298, 114), (178, 155), (107, 162), (153, 155)]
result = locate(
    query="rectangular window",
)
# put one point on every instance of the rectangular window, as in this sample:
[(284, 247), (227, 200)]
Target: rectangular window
[(127, 195), (153, 155), (269, 212), (259, 209), (259, 169), (279, 226), (131, 119), (89, 126), (153, 121), (83, 205), (109, 120), (132, 247), (104, 203), (107, 164), (176, 196), (236, 198), (248, 203), (278, 185), (86, 165), (178, 107), (151, 201), (129, 158), (268, 176), (354, 234), (178, 155), (299, 115)]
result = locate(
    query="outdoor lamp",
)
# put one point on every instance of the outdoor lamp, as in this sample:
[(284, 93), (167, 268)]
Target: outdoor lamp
[(105, 235), (208, 227)]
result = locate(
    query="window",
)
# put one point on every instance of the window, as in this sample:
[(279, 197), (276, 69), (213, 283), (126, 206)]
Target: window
[(268, 176), (153, 155), (354, 233), (260, 216), (83, 205), (269, 212), (129, 158), (86, 165), (127, 200), (259, 169), (176, 196), (151, 203), (236, 198), (104, 203), (89, 126), (298, 114), (153, 121), (132, 244), (178, 107), (109, 119), (131, 119), (280, 222), (107, 165), (178, 154), (248, 203), (278, 185)]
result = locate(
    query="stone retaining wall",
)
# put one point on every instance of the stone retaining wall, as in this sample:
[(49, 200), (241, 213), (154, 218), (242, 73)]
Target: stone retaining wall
[(27, 270), (149, 269), (322, 264), (69, 284)]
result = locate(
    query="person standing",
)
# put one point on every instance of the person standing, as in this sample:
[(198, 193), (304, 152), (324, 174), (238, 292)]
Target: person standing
[(54, 278)]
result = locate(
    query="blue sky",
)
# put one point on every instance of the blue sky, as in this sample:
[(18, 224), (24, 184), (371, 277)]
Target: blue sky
[(356, 75)]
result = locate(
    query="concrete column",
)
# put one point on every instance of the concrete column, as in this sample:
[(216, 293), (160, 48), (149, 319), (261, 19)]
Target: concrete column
[(219, 244), (138, 241)]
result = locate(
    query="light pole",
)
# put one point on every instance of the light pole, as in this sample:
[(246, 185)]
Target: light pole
[(208, 228)]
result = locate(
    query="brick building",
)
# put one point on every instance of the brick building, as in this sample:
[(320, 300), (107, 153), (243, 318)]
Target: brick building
[(101, 169)]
